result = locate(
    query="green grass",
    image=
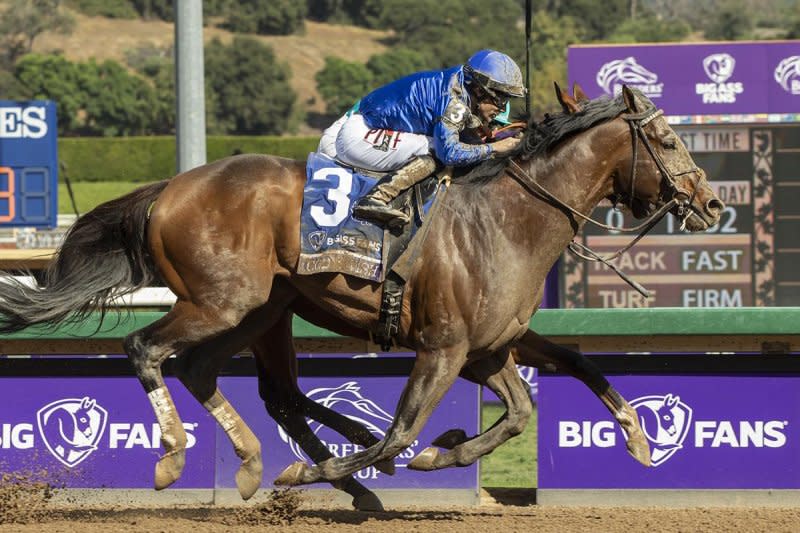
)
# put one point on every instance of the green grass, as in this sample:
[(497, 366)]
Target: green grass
[(513, 464), (90, 194)]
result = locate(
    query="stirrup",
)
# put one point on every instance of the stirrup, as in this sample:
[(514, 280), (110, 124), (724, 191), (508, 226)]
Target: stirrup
[(381, 214)]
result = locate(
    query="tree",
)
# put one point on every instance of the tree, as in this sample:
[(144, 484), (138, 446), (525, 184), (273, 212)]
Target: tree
[(649, 29), (341, 83), (120, 9), (55, 78), (366, 13), (91, 98), (248, 91), (24, 20), (598, 19), (159, 9), (549, 45), (731, 22), (267, 17), (447, 32), (157, 65), (116, 102), (394, 64)]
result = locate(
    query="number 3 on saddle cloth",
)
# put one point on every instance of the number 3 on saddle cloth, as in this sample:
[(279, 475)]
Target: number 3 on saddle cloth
[(333, 241)]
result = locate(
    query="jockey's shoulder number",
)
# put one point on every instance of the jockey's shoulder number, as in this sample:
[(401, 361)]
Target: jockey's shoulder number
[(456, 114)]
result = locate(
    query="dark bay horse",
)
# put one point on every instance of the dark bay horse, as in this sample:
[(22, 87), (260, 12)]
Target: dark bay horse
[(224, 238)]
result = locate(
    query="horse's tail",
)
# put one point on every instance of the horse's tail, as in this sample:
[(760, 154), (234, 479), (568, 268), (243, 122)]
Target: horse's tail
[(103, 256)]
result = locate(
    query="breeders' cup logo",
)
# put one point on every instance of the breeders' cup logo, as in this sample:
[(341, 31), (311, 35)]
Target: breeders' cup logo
[(665, 421), (347, 400), (316, 239), (719, 68), (614, 74), (71, 428), (787, 74)]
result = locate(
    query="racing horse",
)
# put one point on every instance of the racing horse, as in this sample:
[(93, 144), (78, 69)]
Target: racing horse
[(224, 238)]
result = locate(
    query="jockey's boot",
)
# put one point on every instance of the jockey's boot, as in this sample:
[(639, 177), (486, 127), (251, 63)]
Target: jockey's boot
[(374, 206)]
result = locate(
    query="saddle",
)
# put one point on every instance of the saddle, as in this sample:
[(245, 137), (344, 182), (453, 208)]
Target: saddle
[(333, 241)]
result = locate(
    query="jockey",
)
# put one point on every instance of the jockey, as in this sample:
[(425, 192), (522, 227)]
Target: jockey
[(397, 127)]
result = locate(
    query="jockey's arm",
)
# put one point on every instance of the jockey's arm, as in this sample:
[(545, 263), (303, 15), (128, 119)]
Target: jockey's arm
[(447, 144)]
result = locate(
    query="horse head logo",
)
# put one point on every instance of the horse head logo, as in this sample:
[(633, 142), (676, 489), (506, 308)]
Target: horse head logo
[(719, 67), (350, 402), (787, 74), (665, 421), (71, 428), (614, 74), (316, 239)]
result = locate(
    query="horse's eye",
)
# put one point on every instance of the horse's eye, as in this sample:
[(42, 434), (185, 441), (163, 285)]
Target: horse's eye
[(667, 417), (669, 145), (83, 419)]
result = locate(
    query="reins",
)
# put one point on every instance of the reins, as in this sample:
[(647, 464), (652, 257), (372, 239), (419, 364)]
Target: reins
[(680, 198)]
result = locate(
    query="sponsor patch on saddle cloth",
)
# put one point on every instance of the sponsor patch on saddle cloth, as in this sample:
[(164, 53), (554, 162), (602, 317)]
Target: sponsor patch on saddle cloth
[(331, 240)]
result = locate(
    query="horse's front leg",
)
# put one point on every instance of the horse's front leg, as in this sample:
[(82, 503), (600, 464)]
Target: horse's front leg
[(534, 350), (432, 376), (500, 374)]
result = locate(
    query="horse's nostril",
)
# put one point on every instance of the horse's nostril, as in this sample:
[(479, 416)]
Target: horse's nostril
[(715, 206)]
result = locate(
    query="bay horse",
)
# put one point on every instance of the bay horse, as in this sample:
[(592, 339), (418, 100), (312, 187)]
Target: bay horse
[(224, 239)]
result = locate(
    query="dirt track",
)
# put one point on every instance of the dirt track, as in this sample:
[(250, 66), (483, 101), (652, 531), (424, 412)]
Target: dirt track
[(293, 515)]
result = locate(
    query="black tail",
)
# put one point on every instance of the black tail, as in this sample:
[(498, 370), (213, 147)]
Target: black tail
[(103, 257)]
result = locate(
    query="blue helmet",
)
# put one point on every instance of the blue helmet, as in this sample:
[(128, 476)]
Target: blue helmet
[(495, 71)]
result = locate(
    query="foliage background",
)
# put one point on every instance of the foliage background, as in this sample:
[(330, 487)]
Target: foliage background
[(252, 90)]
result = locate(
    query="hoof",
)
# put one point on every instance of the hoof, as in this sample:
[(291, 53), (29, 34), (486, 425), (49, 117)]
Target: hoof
[(248, 478), (450, 439), (169, 468), (639, 449), (425, 459), (386, 466), (292, 475), (367, 502)]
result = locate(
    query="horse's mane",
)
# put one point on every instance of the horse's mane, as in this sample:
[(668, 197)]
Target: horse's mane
[(541, 137)]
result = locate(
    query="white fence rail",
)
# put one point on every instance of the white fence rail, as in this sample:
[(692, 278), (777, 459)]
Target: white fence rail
[(146, 297)]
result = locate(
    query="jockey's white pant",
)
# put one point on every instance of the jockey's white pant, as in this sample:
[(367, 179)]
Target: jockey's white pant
[(354, 143), (327, 143)]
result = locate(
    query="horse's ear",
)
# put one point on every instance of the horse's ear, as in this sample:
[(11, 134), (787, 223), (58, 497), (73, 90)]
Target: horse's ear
[(630, 99), (568, 103), (578, 94)]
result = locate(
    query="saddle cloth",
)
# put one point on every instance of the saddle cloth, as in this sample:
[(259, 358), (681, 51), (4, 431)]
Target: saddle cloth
[(331, 239)]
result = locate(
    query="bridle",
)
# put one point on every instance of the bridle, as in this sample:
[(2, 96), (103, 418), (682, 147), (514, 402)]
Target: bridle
[(683, 198), (680, 198)]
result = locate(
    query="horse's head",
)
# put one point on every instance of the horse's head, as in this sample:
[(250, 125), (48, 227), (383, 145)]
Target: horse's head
[(656, 168)]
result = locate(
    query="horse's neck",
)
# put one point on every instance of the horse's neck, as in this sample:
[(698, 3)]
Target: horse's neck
[(579, 171), (575, 174)]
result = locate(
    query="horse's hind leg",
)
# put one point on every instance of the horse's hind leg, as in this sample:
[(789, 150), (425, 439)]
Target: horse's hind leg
[(276, 362), (500, 374), (534, 350), (198, 370), (185, 326)]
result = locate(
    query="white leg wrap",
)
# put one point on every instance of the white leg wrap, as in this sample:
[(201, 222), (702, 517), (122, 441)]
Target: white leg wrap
[(229, 419), (164, 409)]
